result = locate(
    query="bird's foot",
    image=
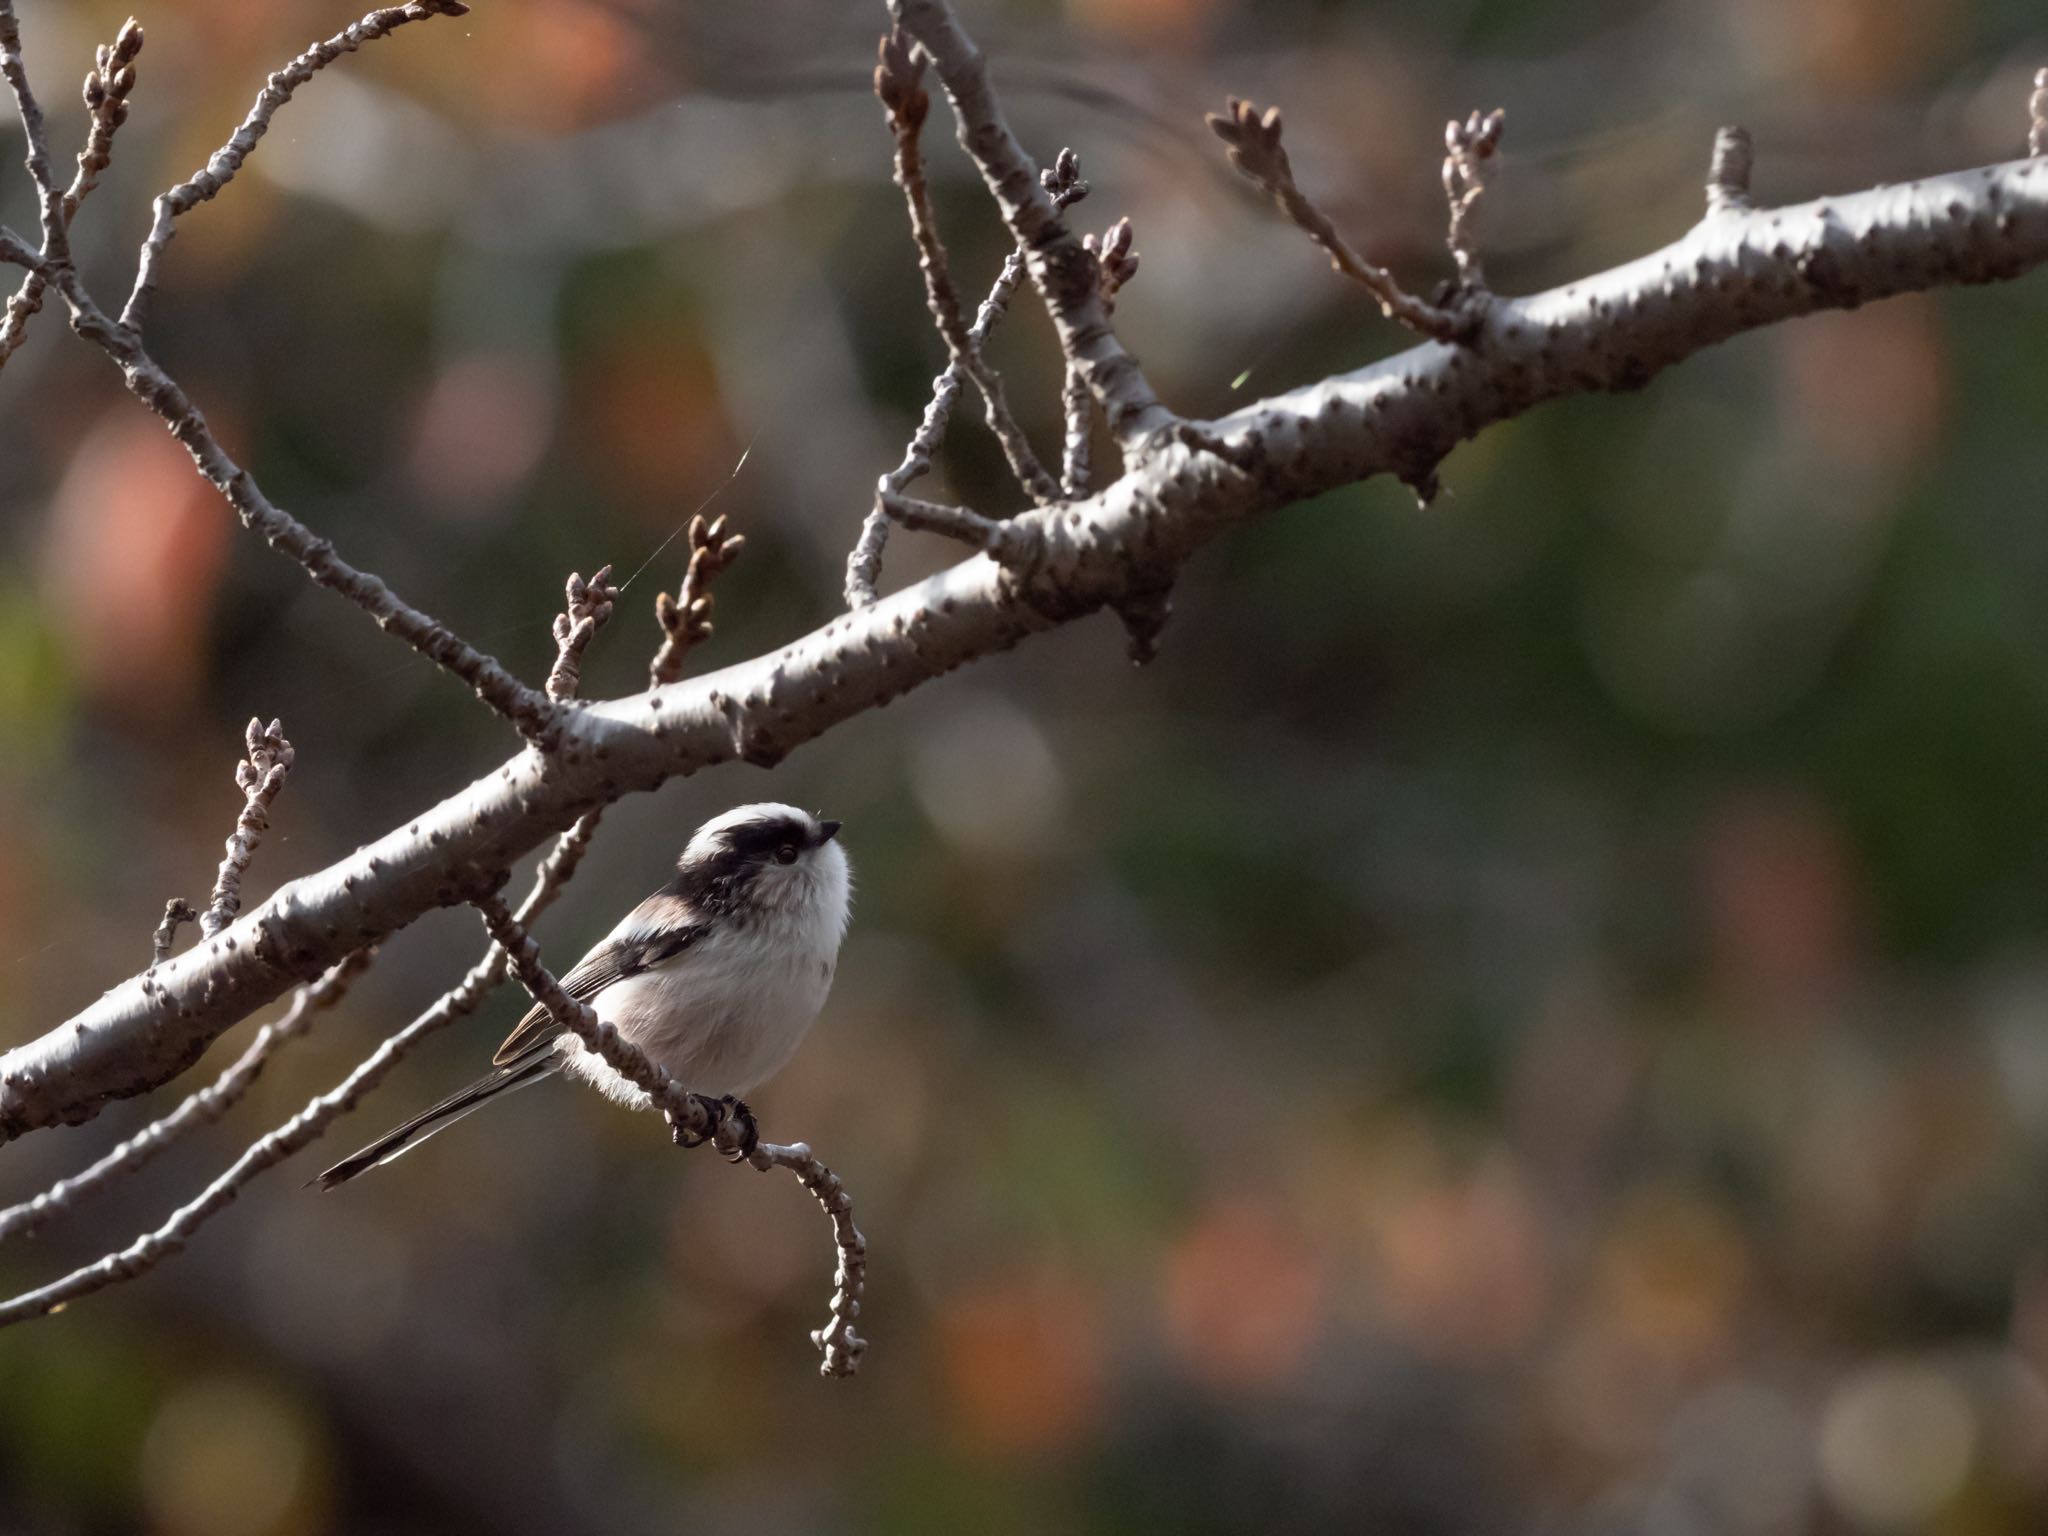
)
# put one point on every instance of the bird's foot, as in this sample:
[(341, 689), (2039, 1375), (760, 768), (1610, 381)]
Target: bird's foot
[(719, 1113), (680, 1132), (746, 1135)]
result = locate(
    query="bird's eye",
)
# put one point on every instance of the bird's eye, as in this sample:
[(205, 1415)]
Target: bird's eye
[(786, 854)]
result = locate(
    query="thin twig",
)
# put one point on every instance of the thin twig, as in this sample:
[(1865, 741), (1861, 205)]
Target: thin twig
[(526, 708), (202, 1108), (310, 1123), (18, 252), (1255, 149), (221, 167), (587, 605), (1469, 148), (699, 1119), (685, 620), (899, 84), (1064, 186), (107, 89), (49, 199), (529, 710), (260, 775), (1116, 264), (2037, 115), (1011, 543), (177, 912), (1064, 275)]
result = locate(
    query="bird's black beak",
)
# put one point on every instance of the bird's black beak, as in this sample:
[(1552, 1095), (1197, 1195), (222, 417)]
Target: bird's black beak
[(827, 830)]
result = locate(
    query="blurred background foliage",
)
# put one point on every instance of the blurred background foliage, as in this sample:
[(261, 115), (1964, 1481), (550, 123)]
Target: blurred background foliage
[(1531, 1016)]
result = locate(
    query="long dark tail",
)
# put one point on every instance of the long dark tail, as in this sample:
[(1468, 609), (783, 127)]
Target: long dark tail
[(517, 1074)]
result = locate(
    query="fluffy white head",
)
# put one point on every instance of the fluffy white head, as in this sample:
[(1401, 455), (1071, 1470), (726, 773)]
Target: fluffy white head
[(769, 859)]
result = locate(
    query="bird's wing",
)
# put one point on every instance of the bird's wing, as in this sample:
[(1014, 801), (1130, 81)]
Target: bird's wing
[(612, 961)]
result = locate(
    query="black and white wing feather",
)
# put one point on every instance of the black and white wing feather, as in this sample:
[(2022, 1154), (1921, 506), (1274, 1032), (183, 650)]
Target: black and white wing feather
[(611, 962)]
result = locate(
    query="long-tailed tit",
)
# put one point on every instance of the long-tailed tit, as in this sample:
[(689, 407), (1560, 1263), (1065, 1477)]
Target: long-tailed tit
[(716, 976)]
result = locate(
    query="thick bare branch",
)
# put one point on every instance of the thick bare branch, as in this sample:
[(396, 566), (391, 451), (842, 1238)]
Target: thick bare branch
[(1255, 149), (587, 605), (696, 1120), (1061, 269), (899, 84), (685, 620), (202, 1108), (152, 1248), (2037, 115), (260, 775), (221, 167), (1737, 271), (304, 1128)]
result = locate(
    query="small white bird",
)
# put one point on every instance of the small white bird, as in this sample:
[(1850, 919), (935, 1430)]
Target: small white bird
[(717, 976)]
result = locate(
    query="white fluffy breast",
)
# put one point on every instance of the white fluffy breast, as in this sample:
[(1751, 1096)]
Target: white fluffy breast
[(729, 1011)]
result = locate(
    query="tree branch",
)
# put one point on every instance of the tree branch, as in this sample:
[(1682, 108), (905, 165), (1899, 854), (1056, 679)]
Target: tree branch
[(260, 775), (588, 605), (1738, 270), (1063, 184), (1469, 148), (685, 620), (177, 912), (528, 709), (1008, 542), (1116, 264), (1253, 139), (220, 169), (899, 84), (17, 252), (49, 199), (107, 90), (696, 1120), (106, 97), (1728, 171), (297, 1133), (202, 1108), (1061, 269)]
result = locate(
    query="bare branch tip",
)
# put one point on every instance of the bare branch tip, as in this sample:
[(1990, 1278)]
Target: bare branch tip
[(1253, 141), (685, 619), (1729, 170), (1469, 146), (1116, 261), (177, 912), (899, 83), (587, 606), (260, 775), (1062, 180)]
